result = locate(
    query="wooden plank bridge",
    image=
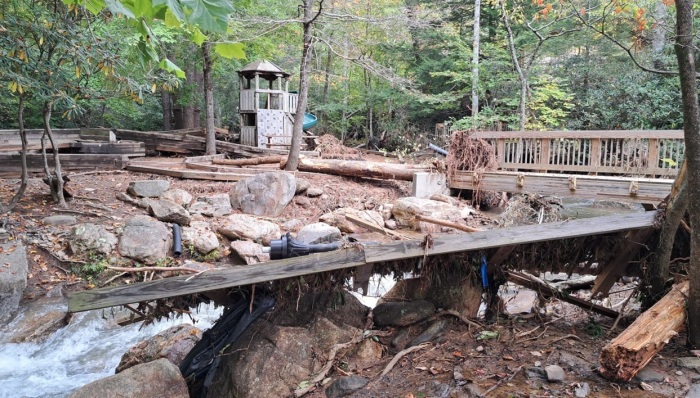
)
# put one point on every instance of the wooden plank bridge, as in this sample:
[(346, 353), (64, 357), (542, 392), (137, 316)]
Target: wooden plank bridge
[(613, 165), (353, 257)]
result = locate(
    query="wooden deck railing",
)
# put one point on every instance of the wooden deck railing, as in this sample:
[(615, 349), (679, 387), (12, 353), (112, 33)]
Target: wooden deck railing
[(623, 152)]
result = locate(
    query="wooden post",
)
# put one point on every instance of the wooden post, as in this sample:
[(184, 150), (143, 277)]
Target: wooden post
[(595, 154), (632, 349), (653, 154)]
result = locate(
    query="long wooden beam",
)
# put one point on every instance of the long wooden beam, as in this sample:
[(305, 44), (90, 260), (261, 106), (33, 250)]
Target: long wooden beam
[(574, 134), (349, 258), (628, 189)]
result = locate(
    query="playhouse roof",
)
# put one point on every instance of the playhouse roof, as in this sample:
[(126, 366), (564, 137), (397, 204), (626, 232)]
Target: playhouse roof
[(262, 67)]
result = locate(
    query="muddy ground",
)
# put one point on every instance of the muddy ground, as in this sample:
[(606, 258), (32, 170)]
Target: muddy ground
[(504, 364)]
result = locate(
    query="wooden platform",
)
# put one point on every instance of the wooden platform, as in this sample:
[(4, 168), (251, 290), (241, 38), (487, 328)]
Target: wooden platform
[(11, 165), (627, 189), (352, 257)]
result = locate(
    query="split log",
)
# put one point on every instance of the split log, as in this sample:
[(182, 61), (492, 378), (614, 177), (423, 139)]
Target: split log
[(445, 223), (250, 161), (355, 168), (632, 349)]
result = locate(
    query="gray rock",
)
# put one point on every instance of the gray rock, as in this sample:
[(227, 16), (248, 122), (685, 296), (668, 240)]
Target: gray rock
[(337, 219), (148, 188), (293, 225), (651, 374), (248, 252), (172, 344), (401, 339), (439, 390), (536, 373), (430, 333), (582, 391), (402, 313), (314, 192), (124, 197), (689, 362), (145, 239), (472, 390), (13, 277), (40, 318), (406, 209), (200, 235), (302, 186), (179, 196), (319, 232), (167, 211), (265, 194), (212, 206), (145, 203), (693, 392), (554, 373), (390, 224), (302, 201), (59, 220), (157, 379), (241, 226), (345, 386), (85, 238)]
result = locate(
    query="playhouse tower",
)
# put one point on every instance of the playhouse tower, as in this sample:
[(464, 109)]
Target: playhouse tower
[(266, 106)]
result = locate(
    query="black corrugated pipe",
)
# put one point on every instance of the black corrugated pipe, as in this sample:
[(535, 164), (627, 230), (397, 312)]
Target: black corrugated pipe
[(177, 241), (437, 149), (287, 247)]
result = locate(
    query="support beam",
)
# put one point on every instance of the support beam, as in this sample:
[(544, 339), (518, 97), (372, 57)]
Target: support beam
[(351, 257), (626, 251)]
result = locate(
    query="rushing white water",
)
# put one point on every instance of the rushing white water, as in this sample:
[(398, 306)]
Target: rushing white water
[(88, 349)]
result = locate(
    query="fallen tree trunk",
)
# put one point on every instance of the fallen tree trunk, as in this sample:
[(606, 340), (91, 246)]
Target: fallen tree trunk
[(251, 161), (355, 168), (632, 349), (446, 223)]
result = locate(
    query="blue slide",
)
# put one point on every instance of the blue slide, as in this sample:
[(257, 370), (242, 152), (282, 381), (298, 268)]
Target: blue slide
[(309, 121)]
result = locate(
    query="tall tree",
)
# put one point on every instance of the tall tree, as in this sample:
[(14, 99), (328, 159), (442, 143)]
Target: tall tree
[(685, 52), (298, 129), (475, 57)]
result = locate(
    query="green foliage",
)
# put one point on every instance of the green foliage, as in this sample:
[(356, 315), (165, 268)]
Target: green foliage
[(92, 267), (549, 104)]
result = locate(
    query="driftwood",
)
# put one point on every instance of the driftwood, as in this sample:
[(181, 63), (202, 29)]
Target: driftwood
[(632, 349), (445, 223), (355, 168), (372, 226), (250, 161)]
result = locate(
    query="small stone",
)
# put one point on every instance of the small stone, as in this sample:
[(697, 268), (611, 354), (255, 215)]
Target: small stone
[(582, 391), (345, 386), (689, 362), (538, 363), (319, 232), (679, 373), (314, 192), (179, 196), (402, 314), (430, 333), (555, 373), (457, 373), (167, 211), (302, 186), (124, 197), (59, 220), (390, 224), (293, 225), (480, 348), (650, 374), (148, 188), (302, 201)]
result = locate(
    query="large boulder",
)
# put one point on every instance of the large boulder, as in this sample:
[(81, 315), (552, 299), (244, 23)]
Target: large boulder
[(319, 232), (241, 226), (157, 379), (167, 211), (13, 277), (172, 344), (179, 196), (200, 235), (269, 360), (145, 239), (148, 188), (265, 194), (86, 238), (248, 252), (40, 318), (406, 209), (212, 206), (337, 219)]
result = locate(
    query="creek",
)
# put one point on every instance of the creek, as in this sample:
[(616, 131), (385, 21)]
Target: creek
[(87, 349)]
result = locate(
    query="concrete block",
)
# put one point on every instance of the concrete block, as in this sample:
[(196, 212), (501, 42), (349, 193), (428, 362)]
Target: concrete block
[(426, 184)]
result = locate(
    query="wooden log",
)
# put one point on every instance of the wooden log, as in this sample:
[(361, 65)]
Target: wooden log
[(532, 283), (372, 226), (631, 350), (446, 223), (625, 251), (354, 168), (251, 161)]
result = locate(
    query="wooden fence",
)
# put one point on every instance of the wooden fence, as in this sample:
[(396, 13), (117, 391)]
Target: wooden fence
[(625, 152)]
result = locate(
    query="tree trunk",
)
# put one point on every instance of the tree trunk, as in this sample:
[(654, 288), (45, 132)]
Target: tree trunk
[(475, 57), (658, 34), (209, 100), (58, 186), (165, 100), (677, 204), (25, 176), (356, 168), (518, 69), (685, 52), (632, 349), (297, 130)]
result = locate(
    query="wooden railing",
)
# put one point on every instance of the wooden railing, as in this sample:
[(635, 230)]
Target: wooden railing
[(267, 99), (624, 152)]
